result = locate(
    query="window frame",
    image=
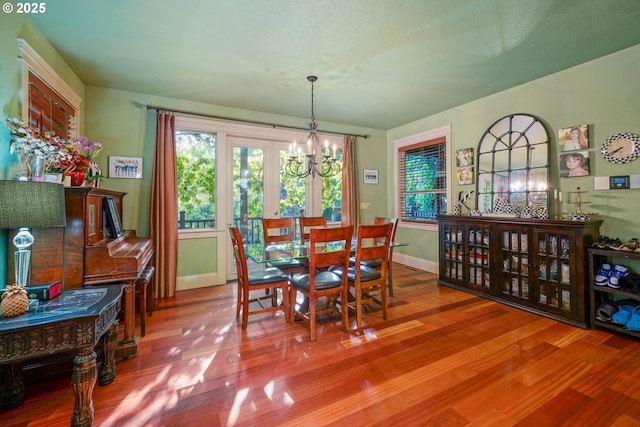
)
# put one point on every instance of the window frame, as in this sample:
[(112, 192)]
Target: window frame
[(32, 63), (400, 145)]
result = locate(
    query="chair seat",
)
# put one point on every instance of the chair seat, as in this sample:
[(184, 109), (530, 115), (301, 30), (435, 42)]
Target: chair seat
[(323, 280), (366, 274), (373, 263), (286, 264), (267, 275)]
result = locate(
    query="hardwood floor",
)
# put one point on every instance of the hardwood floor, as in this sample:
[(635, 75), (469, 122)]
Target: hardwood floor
[(444, 358)]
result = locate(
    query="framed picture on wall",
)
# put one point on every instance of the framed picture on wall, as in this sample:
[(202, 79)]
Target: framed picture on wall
[(125, 167), (573, 138), (465, 175), (464, 157), (574, 164)]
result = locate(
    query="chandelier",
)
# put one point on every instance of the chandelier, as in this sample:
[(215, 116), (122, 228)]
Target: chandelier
[(318, 160)]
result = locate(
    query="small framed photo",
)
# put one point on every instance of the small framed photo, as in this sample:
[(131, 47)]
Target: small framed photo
[(574, 138), (465, 175), (464, 157), (370, 176), (125, 167)]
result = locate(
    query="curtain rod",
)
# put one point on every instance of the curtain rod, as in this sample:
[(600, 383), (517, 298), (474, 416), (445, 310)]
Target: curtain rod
[(253, 122)]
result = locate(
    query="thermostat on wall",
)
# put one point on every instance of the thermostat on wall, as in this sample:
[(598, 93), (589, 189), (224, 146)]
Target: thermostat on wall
[(619, 182)]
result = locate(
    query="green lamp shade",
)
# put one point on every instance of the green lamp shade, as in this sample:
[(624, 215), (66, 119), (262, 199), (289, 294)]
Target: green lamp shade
[(31, 204)]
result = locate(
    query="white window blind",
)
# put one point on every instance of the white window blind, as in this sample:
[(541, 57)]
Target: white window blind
[(422, 172)]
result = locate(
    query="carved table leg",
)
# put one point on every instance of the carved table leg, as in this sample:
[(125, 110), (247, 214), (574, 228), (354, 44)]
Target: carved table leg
[(83, 381), (12, 386), (108, 343)]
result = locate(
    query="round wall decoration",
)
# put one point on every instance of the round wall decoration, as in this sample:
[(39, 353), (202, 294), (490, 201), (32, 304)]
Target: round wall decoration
[(621, 148)]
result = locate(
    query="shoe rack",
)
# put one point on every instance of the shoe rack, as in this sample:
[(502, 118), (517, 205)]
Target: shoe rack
[(600, 294)]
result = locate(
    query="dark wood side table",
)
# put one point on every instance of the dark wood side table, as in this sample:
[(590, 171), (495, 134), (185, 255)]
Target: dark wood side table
[(78, 319)]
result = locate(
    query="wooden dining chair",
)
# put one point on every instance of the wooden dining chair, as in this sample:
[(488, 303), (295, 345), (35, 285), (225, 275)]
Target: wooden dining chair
[(372, 244), (321, 282), (306, 223), (278, 230), (270, 278), (377, 263)]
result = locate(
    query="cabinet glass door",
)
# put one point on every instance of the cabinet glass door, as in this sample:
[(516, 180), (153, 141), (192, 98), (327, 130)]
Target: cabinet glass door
[(554, 275), (478, 250), (515, 263), (453, 250)]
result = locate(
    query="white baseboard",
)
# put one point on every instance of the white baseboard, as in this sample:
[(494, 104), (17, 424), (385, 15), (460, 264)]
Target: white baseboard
[(422, 264), (197, 281)]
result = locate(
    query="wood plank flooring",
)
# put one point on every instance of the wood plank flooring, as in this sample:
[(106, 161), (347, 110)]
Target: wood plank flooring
[(444, 358)]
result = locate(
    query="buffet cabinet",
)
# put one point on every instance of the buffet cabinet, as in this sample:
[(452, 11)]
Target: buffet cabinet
[(534, 265)]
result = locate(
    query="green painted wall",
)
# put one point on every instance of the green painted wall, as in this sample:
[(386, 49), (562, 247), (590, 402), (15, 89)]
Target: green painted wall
[(13, 27), (603, 93)]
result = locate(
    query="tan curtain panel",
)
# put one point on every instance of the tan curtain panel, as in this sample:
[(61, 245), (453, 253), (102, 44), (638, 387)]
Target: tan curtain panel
[(350, 211), (163, 216)]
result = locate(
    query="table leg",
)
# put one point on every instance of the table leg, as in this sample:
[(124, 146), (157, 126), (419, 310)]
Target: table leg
[(108, 343), (12, 386), (83, 381)]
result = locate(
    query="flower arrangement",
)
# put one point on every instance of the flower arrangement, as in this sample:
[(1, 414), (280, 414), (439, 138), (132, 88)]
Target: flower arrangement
[(86, 148), (59, 155)]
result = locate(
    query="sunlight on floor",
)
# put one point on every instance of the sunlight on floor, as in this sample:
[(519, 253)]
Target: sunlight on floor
[(373, 334), (138, 411)]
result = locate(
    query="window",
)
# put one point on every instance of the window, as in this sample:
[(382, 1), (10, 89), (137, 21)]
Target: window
[(422, 177), (48, 111), (49, 103), (196, 173)]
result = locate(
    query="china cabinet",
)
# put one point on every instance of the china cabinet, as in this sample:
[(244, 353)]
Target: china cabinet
[(535, 265)]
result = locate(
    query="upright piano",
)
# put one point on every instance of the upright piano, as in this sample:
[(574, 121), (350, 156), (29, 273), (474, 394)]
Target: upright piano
[(93, 258)]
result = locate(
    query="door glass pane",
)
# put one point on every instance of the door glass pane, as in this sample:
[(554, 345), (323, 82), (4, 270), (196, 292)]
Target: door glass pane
[(196, 169), (332, 195), (248, 192), (292, 191)]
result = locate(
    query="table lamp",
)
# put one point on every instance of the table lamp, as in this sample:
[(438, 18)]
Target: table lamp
[(25, 205)]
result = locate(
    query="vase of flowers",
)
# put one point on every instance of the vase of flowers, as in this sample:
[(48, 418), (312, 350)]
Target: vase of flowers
[(36, 151)]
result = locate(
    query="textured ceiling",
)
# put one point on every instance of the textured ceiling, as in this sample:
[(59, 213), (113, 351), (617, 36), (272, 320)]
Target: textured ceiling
[(380, 63)]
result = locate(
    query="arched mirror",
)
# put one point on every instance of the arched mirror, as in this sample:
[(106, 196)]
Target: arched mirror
[(513, 164)]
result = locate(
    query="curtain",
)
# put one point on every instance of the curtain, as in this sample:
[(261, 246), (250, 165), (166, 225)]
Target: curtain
[(163, 215), (350, 205)]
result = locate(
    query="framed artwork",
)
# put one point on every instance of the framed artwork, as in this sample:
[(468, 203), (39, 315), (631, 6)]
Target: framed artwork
[(465, 175), (113, 225), (464, 157), (125, 167), (574, 164), (573, 138), (370, 176)]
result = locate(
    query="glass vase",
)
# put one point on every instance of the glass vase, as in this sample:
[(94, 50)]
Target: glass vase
[(36, 168)]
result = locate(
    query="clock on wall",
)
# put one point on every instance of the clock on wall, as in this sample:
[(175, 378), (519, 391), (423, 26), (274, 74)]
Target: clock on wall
[(621, 148)]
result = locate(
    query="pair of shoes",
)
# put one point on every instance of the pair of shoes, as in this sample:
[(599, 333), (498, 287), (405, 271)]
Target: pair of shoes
[(601, 242), (606, 310), (614, 244), (622, 316), (618, 272), (630, 283), (632, 245), (633, 324)]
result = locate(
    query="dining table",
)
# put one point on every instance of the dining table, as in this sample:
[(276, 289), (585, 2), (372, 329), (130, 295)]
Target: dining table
[(296, 249)]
